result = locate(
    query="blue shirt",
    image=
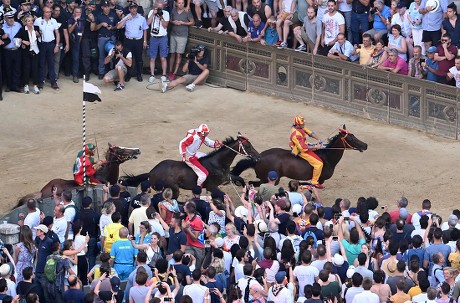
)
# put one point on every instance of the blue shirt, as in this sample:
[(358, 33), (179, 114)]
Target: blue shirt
[(378, 24), (110, 19), (271, 36), (11, 31), (176, 240), (123, 252), (434, 65), (44, 250), (415, 15), (345, 49), (432, 20), (255, 31), (134, 28)]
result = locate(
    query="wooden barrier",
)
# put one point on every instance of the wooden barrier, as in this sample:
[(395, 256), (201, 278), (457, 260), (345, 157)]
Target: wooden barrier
[(343, 86)]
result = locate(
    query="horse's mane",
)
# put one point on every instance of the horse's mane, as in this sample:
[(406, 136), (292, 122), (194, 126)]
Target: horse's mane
[(332, 140), (227, 141)]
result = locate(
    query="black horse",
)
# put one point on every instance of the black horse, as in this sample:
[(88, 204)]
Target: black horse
[(176, 174), (108, 172), (286, 164)]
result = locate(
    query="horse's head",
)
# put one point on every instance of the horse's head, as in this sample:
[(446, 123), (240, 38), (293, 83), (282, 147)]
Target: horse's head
[(245, 147), (350, 141), (119, 154)]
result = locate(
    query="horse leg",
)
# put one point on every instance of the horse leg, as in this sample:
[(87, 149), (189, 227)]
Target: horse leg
[(237, 180), (176, 191)]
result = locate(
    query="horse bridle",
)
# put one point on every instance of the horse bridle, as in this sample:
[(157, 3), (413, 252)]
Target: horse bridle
[(346, 145), (240, 147), (120, 158)]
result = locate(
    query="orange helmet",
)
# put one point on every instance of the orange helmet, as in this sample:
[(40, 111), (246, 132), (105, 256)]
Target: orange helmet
[(299, 120), (203, 128)]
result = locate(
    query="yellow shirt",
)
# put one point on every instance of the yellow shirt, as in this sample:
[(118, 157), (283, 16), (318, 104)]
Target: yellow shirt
[(365, 54), (454, 259), (111, 234), (414, 291)]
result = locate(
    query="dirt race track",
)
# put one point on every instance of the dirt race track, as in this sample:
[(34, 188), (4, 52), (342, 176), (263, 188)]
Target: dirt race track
[(41, 135)]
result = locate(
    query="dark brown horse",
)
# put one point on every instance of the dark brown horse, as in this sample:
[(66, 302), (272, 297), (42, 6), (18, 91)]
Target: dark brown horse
[(286, 164), (108, 172), (176, 174)]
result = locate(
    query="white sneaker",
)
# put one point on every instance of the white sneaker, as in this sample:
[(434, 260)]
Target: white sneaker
[(36, 90), (152, 79), (190, 87), (164, 78), (26, 89), (163, 86), (205, 15)]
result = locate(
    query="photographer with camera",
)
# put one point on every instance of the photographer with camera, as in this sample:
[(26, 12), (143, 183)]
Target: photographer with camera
[(197, 68), (158, 20), (379, 14), (121, 58)]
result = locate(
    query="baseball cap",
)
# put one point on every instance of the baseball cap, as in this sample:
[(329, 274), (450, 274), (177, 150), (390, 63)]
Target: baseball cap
[(297, 209), (115, 283), (42, 227), (403, 213), (86, 201), (219, 242), (401, 4), (132, 4), (432, 49), (105, 3), (280, 276), (48, 220), (5, 269), (338, 260), (350, 271), (145, 185), (272, 175)]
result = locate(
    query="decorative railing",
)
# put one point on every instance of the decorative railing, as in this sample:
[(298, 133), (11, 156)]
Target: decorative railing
[(343, 86)]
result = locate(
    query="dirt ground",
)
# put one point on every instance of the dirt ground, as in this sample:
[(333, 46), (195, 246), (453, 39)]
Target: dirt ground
[(41, 135)]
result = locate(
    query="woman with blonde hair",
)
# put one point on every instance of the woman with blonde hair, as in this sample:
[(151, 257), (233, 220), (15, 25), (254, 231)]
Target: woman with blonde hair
[(106, 215), (168, 207), (29, 51), (450, 274), (24, 252), (232, 236)]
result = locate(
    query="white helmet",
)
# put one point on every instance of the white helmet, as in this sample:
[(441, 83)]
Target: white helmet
[(203, 128)]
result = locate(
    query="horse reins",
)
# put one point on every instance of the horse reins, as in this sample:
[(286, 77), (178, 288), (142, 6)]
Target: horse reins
[(240, 148), (346, 145)]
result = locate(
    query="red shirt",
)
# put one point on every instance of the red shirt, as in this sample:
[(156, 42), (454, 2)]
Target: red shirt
[(196, 224), (444, 65), (394, 215)]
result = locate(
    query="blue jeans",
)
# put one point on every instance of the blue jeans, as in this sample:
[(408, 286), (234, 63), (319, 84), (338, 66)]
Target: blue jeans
[(101, 46), (347, 17), (46, 57), (357, 21)]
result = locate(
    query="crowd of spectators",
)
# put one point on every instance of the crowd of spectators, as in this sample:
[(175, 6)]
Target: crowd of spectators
[(40, 41), (278, 246)]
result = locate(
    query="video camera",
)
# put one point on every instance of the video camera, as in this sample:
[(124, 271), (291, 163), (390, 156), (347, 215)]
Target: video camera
[(159, 12), (193, 52)]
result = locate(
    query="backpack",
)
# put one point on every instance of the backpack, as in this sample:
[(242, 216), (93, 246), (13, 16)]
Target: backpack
[(309, 233), (295, 242), (51, 267), (77, 212)]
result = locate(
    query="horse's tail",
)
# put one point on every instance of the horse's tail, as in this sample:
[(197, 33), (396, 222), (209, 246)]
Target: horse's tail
[(134, 181), (243, 165)]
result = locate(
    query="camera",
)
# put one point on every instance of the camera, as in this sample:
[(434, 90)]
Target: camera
[(159, 12), (155, 31), (346, 218), (116, 51), (193, 52), (422, 60), (166, 299), (373, 10)]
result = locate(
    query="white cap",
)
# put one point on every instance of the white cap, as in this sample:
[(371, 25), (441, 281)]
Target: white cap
[(241, 212), (219, 242), (338, 260), (297, 208), (261, 226), (350, 271)]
